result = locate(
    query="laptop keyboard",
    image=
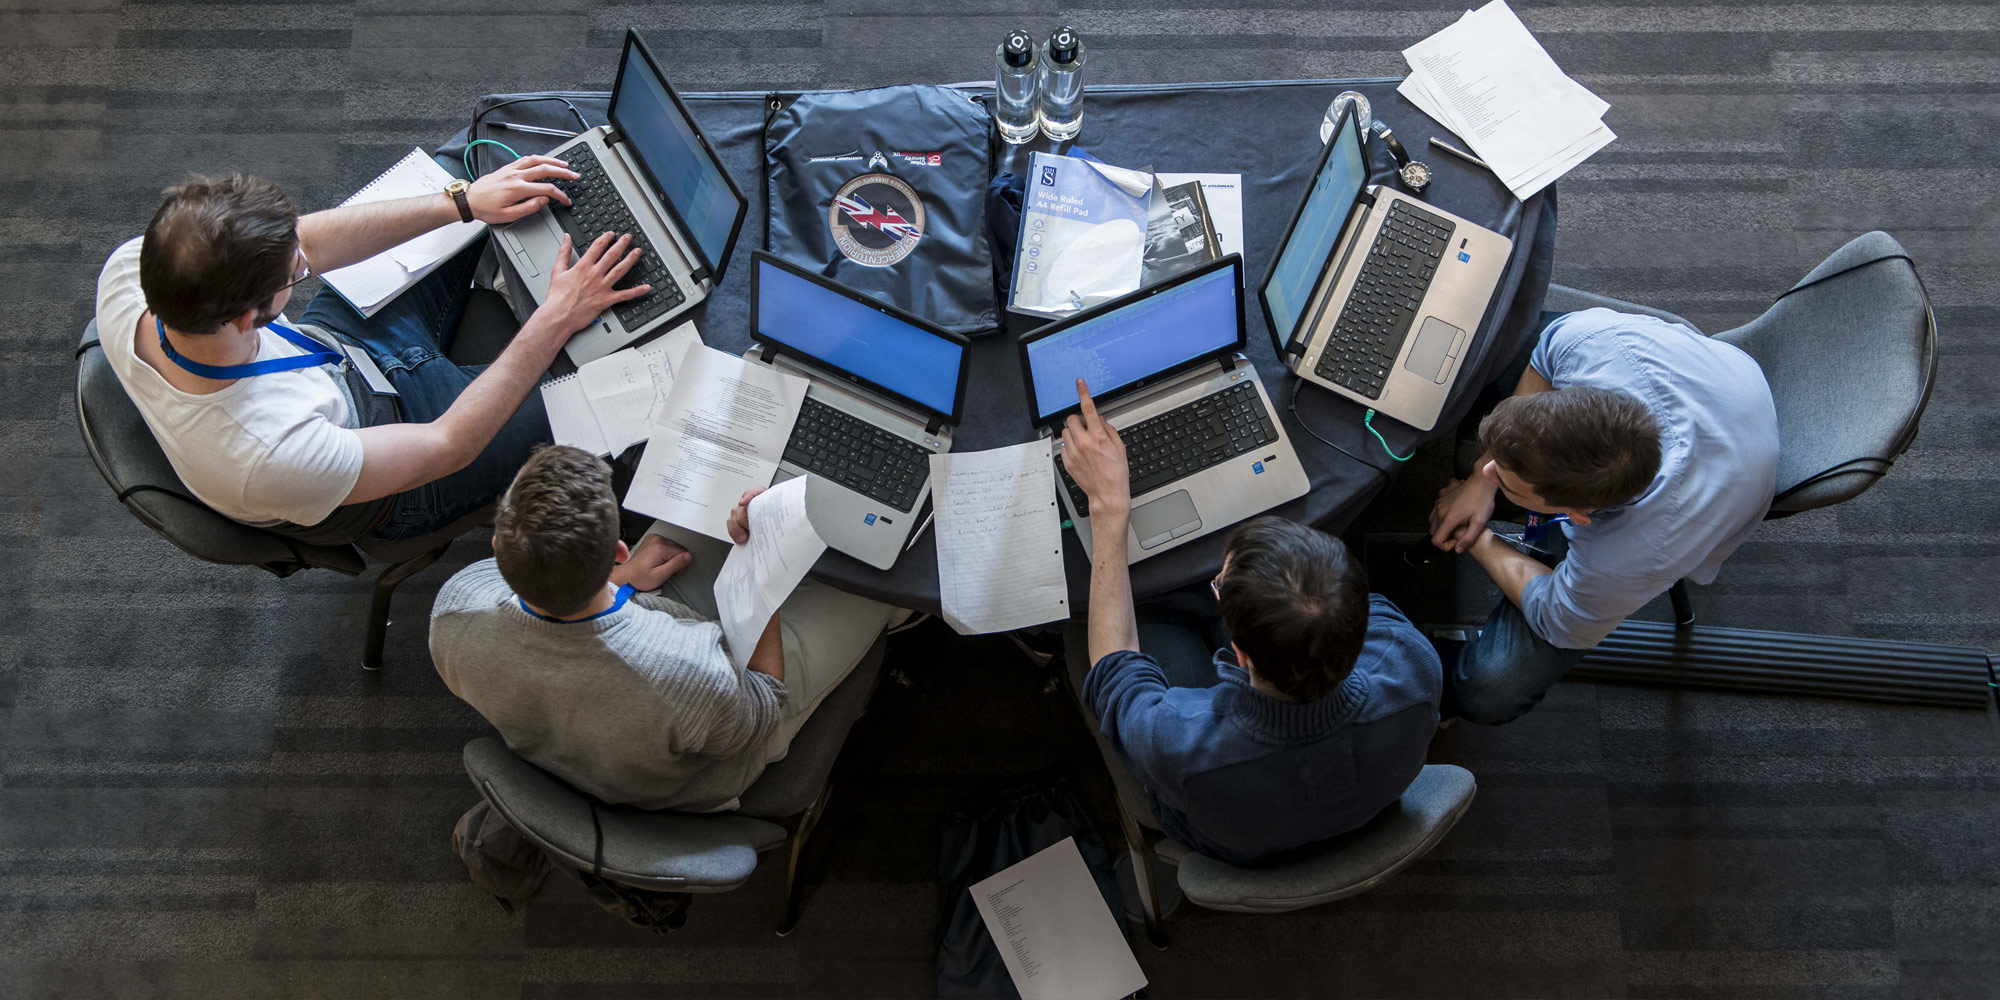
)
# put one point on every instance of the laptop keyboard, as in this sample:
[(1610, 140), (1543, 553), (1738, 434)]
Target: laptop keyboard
[(1183, 441), (1381, 308), (597, 208), (858, 455)]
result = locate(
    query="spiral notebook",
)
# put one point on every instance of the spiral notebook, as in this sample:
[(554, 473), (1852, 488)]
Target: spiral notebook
[(371, 284), (611, 403)]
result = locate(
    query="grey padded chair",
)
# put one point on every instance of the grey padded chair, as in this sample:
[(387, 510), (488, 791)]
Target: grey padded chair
[(1348, 866), (132, 464), (667, 851)]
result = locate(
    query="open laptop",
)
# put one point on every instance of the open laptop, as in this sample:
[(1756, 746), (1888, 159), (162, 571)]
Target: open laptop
[(887, 389), (650, 173), (1164, 365), (1377, 295)]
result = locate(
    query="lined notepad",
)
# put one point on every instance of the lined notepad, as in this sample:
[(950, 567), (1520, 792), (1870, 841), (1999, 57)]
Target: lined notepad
[(371, 284), (609, 404)]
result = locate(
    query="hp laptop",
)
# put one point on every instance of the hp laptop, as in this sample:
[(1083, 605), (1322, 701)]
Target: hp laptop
[(1164, 365), (650, 173), (887, 388), (1377, 295)]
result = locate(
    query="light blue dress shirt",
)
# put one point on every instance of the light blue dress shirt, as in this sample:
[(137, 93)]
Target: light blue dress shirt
[(1718, 469)]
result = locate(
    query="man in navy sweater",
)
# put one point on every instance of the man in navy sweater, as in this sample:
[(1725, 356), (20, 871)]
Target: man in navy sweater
[(1313, 718)]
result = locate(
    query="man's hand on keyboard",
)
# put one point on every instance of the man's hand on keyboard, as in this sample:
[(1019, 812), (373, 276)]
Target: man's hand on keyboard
[(579, 292), (518, 189), (1094, 456)]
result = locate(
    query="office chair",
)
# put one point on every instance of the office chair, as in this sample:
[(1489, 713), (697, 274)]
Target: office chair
[(1347, 866), (1851, 354), (667, 851), (132, 464)]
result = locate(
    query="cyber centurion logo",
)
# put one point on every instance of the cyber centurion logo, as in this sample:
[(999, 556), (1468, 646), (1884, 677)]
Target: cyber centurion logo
[(876, 219)]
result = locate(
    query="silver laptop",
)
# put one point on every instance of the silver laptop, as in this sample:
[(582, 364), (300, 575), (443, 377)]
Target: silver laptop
[(650, 173), (887, 389), (1165, 366), (1377, 295)]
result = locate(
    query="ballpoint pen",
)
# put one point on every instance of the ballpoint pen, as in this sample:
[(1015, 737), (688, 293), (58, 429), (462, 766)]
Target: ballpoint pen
[(537, 129), (1460, 153), (919, 533)]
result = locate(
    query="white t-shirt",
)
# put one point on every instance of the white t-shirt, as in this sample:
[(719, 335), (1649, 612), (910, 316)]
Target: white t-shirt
[(271, 448)]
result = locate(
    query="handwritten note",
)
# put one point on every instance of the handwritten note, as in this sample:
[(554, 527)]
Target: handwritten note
[(721, 431), (1056, 934), (999, 538), (761, 573), (611, 404)]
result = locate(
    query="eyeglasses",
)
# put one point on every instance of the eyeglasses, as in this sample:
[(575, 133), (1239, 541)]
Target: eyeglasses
[(1216, 586), (305, 270)]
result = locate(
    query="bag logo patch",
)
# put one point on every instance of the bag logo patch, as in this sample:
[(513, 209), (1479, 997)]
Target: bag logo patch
[(876, 219)]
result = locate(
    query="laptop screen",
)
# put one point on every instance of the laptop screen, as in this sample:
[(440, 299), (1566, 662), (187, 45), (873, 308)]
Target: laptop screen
[(841, 330), (1135, 341), (686, 174), (1302, 259)]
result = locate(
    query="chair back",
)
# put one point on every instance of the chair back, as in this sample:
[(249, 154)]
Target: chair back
[(132, 464)]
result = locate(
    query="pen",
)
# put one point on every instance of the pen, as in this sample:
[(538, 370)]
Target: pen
[(914, 535), (1460, 153), (537, 129)]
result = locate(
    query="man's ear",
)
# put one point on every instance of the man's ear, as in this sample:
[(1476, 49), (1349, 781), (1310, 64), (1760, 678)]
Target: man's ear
[(1491, 471), (624, 553), (1241, 660), (1580, 517), (246, 320)]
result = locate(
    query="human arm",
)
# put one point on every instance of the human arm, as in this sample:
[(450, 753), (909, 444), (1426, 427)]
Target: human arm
[(1463, 508), (349, 234), (769, 655), (1095, 457), (399, 457), (1510, 568)]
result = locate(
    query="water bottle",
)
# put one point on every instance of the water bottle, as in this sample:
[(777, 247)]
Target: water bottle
[(1016, 76), (1062, 85)]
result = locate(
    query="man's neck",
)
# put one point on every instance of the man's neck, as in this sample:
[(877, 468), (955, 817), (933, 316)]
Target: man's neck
[(605, 599), (227, 346)]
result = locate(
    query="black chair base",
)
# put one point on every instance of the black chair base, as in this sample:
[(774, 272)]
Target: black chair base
[(378, 606)]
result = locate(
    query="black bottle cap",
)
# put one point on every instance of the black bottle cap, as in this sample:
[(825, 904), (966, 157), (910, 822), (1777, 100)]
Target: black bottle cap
[(1063, 44), (1019, 48)]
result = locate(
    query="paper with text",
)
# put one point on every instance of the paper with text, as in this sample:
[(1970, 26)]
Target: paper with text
[(627, 388), (1055, 933), (721, 431), (999, 538), (370, 284), (1224, 194), (761, 573)]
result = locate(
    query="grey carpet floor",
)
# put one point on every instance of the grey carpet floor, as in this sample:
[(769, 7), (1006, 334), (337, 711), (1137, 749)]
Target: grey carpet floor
[(202, 796)]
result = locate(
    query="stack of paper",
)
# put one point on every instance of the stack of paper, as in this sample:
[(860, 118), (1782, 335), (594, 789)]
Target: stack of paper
[(369, 285), (609, 405), (1487, 79), (721, 430)]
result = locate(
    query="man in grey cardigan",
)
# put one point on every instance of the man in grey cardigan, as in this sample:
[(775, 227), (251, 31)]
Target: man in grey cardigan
[(630, 696)]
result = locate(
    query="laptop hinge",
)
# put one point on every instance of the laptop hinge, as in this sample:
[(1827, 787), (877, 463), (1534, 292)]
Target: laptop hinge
[(701, 274), (612, 136), (933, 426), (1229, 362), (769, 354)]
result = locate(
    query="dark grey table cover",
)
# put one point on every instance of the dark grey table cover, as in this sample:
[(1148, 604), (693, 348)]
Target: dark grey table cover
[(1268, 131)]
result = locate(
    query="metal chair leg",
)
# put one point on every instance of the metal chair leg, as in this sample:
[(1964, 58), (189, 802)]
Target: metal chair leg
[(1683, 608), (795, 883), (378, 608), (1142, 878)]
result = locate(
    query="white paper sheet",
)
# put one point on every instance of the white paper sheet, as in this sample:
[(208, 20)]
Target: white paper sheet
[(370, 284), (627, 388), (760, 574), (1056, 935), (1224, 195), (721, 431), (571, 420), (999, 538)]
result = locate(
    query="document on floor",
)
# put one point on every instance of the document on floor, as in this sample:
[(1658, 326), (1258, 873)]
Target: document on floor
[(1056, 935), (721, 430), (371, 284), (999, 538), (761, 573), (607, 405)]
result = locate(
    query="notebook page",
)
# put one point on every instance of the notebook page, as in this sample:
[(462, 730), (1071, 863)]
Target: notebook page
[(380, 278), (570, 419), (999, 538), (625, 387)]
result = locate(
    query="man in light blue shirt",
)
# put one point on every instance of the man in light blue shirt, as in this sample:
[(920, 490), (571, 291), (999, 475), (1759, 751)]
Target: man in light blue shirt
[(1659, 448)]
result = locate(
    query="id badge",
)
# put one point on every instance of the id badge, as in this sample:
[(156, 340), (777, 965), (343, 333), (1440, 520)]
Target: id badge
[(371, 374)]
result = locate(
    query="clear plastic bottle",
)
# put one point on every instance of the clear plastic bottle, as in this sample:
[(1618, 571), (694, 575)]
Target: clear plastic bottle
[(1016, 86), (1062, 85)]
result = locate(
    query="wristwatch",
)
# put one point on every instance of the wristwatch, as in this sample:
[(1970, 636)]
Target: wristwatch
[(1416, 174), (457, 191)]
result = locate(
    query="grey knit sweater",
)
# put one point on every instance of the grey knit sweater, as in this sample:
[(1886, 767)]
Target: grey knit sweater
[(638, 706)]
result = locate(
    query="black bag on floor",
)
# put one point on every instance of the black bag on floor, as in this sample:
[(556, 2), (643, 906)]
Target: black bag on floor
[(497, 858), (885, 191), (975, 845)]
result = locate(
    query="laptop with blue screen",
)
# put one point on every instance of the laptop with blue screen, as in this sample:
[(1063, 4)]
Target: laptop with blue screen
[(1165, 366), (887, 389)]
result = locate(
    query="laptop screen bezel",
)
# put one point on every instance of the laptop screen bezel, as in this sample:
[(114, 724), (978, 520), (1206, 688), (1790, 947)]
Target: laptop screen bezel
[(1347, 122), (760, 257), (1106, 396), (713, 267)]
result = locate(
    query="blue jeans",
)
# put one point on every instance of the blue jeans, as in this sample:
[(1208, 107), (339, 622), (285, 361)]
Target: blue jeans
[(409, 339), (1506, 671), (1181, 631)]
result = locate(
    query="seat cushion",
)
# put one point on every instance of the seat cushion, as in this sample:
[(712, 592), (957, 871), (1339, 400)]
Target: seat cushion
[(1353, 864), (665, 851), (789, 787)]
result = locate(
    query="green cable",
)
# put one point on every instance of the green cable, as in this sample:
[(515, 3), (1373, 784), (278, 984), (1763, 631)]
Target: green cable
[(469, 173), (1368, 421)]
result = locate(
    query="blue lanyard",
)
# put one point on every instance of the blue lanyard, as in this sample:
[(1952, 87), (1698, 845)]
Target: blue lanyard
[(617, 601), (317, 354)]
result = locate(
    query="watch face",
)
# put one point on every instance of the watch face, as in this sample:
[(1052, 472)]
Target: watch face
[(1416, 174)]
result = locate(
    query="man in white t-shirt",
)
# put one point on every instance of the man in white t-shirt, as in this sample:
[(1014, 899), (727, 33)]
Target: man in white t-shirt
[(266, 422)]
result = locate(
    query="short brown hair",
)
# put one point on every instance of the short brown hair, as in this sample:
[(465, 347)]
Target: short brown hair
[(1296, 604), (556, 535), (217, 247), (1582, 447)]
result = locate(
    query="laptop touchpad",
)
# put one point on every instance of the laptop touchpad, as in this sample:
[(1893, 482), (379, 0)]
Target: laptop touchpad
[(1158, 521), (1433, 346)]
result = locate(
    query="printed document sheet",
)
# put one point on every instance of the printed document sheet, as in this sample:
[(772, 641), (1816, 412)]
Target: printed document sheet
[(761, 573), (607, 405), (999, 538), (721, 430), (1056, 935)]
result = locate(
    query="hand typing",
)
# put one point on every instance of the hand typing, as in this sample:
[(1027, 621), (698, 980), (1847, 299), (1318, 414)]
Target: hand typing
[(579, 291), (518, 189)]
